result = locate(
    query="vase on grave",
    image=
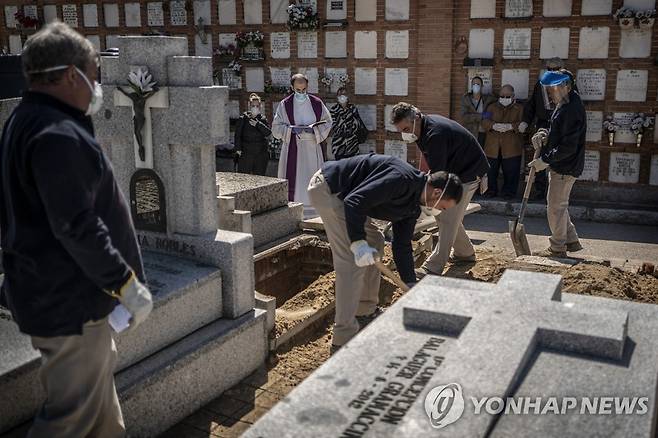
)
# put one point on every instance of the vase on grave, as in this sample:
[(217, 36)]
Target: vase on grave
[(611, 138)]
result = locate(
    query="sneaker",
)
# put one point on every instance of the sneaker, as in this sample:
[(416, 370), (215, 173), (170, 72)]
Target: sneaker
[(364, 320), (574, 246), (460, 259), (422, 272), (550, 252)]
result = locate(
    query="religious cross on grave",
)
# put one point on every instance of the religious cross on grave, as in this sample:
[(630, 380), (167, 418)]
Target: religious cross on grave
[(499, 330), (142, 95)]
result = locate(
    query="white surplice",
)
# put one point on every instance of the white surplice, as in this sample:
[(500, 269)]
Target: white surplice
[(309, 152)]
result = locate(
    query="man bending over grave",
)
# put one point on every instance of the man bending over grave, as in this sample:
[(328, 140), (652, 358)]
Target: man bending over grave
[(347, 194), (446, 146), (302, 122), (70, 250), (562, 149)]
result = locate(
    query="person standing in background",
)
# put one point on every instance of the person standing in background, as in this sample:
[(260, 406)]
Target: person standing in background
[(474, 105), (251, 133), (347, 127), (504, 145)]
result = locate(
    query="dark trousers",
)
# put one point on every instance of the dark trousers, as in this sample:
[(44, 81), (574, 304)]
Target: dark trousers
[(511, 171), (253, 162)]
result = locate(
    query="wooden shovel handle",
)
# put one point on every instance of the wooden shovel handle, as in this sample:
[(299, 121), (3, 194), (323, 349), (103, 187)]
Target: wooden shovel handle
[(391, 275)]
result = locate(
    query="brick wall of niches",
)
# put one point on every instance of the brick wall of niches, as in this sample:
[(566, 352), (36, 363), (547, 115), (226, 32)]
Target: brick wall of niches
[(421, 16), (463, 24)]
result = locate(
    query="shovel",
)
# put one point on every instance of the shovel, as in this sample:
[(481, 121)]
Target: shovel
[(516, 228), (391, 275)]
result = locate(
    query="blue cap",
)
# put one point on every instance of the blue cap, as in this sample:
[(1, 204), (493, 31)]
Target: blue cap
[(551, 78)]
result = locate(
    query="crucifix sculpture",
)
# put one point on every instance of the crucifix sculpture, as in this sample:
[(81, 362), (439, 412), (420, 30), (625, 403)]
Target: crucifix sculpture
[(139, 105)]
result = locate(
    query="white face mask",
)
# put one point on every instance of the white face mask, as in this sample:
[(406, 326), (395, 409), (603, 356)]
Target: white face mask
[(505, 101), (96, 101), (301, 96), (410, 137), (433, 211), (255, 110), (342, 99), (476, 88)]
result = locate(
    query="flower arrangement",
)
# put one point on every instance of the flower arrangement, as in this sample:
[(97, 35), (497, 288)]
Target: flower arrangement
[(225, 51), (646, 19), (340, 80), (24, 21), (640, 124), (235, 66), (628, 17), (255, 38), (142, 86), (611, 127), (302, 18), (141, 81), (274, 148)]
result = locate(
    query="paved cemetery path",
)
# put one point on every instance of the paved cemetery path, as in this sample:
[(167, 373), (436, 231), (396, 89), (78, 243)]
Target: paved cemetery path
[(616, 242)]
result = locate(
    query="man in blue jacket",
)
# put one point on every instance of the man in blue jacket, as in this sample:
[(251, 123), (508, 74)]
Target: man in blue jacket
[(347, 194), (69, 243)]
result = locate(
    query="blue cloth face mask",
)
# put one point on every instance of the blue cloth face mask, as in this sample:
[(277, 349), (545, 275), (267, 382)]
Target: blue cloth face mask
[(301, 96)]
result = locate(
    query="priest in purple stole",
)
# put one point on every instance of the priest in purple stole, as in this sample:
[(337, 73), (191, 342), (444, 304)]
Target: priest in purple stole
[(301, 154)]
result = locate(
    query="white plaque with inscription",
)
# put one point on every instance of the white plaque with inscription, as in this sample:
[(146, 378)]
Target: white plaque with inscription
[(594, 43), (336, 9), (253, 11), (481, 43), (155, 14), (591, 83), (230, 79), (635, 43), (90, 15), (313, 78), (396, 149), (624, 168), (365, 81), (368, 114), (397, 10), (653, 172), (519, 78), (280, 76), (133, 14), (516, 43), (365, 10), (483, 8), (596, 7), (640, 5), (202, 10), (50, 13), (280, 45), (307, 44), (111, 14), (591, 169), (70, 15), (365, 44), (227, 11), (388, 109), (15, 44), (396, 81), (279, 11), (554, 43), (335, 44), (624, 134), (557, 8), (201, 48), (594, 126), (178, 13), (10, 19), (518, 8), (631, 85), (397, 44), (255, 78)]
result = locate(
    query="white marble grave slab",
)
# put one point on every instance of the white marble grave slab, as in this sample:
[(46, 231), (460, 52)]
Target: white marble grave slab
[(253, 11), (396, 148), (519, 78), (280, 76), (15, 44), (178, 13), (31, 11), (255, 78), (483, 9), (96, 41), (365, 81), (396, 82), (201, 48), (10, 19), (335, 44), (227, 11), (365, 44), (111, 14), (631, 85), (365, 10), (640, 5), (517, 43), (133, 14), (70, 14), (653, 171), (594, 42), (591, 169), (49, 13), (518, 8), (635, 43), (397, 44), (388, 109), (313, 78), (280, 45), (202, 10), (336, 9), (368, 114), (481, 43), (111, 41), (596, 7), (279, 11), (594, 126), (557, 8), (234, 109), (231, 80), (624, 134), (155, 14), (90, 15), (591, 83), (624, 168), (307, 45), (397, 10), (554, 43)]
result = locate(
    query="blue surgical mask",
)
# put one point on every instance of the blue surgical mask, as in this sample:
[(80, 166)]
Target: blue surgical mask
[(301, 96)]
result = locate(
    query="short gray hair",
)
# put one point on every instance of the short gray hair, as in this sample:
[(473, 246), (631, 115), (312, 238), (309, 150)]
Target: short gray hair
[(55, 44), (403, 110)]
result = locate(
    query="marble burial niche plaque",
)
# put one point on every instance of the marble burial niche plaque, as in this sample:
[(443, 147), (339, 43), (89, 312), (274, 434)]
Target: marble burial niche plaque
[(227, 11), (365, 10), (90, 15), (365, 81), (253, 11), (397, 10), (335, 44), (624, 134), (635, 43), (178, 13), (155, 14), (591, 83), (279, 11), (313, 78), (365, 44), (396, 149), (557, 8), (554, 43), (596, 7), (255, 79), (70, 15), (481, 43), (280, 45), (591, 169), (133, 14), (368, 114), (336, 9), (653, 171), (518, 8), (307, 45), (396, 81), (483, 8), (631, 86), (594, 126), (593, 43), (516, 43), (397, 44), (624, 168), (202, 10), (111, 14)]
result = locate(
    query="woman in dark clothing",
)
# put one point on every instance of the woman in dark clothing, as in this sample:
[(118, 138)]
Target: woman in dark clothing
[(251, 133)]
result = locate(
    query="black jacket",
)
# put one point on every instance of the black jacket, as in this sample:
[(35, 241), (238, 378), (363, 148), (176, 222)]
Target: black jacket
[(67, 233), (380, 187), (449, 146), (565, 149), (251, 138), (534, 109)]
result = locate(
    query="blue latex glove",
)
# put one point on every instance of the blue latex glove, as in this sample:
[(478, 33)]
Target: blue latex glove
[(487, 115)]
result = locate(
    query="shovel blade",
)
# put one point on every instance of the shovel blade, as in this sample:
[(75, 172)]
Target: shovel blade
[(519, 239)]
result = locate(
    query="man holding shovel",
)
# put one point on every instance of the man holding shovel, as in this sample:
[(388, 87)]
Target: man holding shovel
[(562, 149), (347, 194)]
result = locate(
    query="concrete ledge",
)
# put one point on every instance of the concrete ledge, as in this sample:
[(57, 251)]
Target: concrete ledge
[(275, 224), (592, 214)]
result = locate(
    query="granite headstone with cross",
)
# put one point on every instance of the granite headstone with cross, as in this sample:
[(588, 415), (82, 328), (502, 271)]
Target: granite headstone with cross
[(469, 359)]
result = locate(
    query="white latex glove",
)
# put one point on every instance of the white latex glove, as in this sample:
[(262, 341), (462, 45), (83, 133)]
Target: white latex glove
[(498, 127), (137, 299), (253, 121), (538, 164), (523, 126), (540, 138), (364, 254), (507, 127), (238, 153)]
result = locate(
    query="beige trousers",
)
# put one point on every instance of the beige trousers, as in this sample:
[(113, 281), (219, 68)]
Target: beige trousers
[(452, 233), (562, 229), (357, 289), (77, 374)]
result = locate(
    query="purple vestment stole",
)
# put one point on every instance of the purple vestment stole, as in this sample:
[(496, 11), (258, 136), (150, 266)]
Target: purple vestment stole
[(291, 168)]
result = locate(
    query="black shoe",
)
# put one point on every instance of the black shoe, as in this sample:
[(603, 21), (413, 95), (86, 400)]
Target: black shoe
[(574, 246), (423, 272), (367, 319), (488, 194)]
